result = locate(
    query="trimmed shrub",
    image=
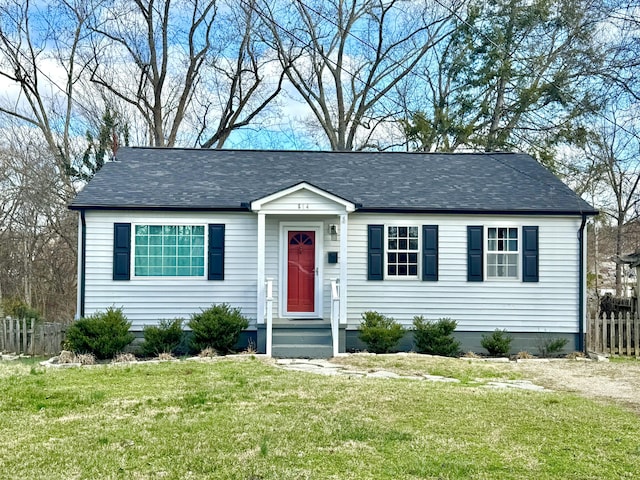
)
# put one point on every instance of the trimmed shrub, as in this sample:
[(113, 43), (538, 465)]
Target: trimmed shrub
[(217, 327), (549, 347), (162, 338), (103, 334), (380, 333), (435, 337), (498, 343)]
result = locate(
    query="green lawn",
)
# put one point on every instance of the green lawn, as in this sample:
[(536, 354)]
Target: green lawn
[(249, 420)]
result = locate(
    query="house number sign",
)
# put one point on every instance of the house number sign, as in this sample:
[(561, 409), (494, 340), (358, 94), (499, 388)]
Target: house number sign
[(303, 206)]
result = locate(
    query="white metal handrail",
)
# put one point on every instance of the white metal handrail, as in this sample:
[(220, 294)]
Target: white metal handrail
[(269, 312), (335, 314)]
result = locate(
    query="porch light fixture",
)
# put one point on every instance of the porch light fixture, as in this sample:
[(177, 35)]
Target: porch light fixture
[(333, 231)]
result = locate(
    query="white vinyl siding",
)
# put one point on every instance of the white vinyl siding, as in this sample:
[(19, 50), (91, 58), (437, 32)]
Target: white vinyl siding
[(549, 305), (145, 300)]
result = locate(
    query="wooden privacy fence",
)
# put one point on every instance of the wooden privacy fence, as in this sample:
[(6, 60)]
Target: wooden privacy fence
[(31, 337), (615, 335)]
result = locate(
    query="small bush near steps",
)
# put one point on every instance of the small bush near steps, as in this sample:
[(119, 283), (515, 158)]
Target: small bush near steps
[(379, 332), (162, 338), (498, 343), (217, 327), (104, 334), (435, 337)]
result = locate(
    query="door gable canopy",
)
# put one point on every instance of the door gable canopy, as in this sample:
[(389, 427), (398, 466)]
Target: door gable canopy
[(302, 198)]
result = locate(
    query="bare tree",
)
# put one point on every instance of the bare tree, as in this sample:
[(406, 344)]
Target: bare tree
[(37, 232), (192, 69), (39, 56), (615, 150), (345, 57)]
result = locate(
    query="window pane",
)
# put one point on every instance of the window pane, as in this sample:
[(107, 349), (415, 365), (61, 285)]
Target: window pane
[(492, 245), (400, 241), (161, 249), (513, 245), (197, 261), (198, 240), (492, 233), (169, 271)]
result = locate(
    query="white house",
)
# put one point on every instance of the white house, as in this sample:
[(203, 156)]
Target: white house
[(305, 242)]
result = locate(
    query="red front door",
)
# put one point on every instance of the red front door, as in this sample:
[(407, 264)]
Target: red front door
[(301, 272)]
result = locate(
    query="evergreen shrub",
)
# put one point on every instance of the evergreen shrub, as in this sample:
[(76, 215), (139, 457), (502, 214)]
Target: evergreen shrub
[(162, 338), (435, 337), (498, 343), (379, 332), (217, 327), (103, 334)]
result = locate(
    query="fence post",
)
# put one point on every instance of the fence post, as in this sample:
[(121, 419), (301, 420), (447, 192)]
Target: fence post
[(628, 333), (3, 340), (12, 336), (636, 333)]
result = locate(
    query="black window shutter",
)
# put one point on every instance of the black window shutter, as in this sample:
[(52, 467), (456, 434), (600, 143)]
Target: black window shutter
[(475, 261), (121, 251), (430, 253), (530, 254), (375, 252), (216, 252)]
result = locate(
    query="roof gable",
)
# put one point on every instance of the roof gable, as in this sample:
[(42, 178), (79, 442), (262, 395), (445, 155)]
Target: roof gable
[(302, 197), (200, 179)]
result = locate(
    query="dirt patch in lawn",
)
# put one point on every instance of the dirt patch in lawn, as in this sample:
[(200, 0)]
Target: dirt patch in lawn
[(608, 381)]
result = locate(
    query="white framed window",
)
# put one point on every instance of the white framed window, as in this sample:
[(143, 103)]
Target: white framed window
[(503, 252), (169, 251), (402, 251)]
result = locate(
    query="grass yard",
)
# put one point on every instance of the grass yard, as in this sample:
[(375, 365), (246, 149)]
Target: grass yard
[(248, 420)]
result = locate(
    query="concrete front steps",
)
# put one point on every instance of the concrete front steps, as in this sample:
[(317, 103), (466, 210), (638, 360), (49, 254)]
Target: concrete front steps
[(302, 339)]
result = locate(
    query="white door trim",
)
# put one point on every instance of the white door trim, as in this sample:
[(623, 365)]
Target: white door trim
[(285, 228)]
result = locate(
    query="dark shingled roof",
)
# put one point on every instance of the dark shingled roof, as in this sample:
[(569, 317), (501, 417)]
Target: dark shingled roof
[(171, 178)]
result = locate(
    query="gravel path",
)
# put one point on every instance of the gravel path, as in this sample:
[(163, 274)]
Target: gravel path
[(610, 381)]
